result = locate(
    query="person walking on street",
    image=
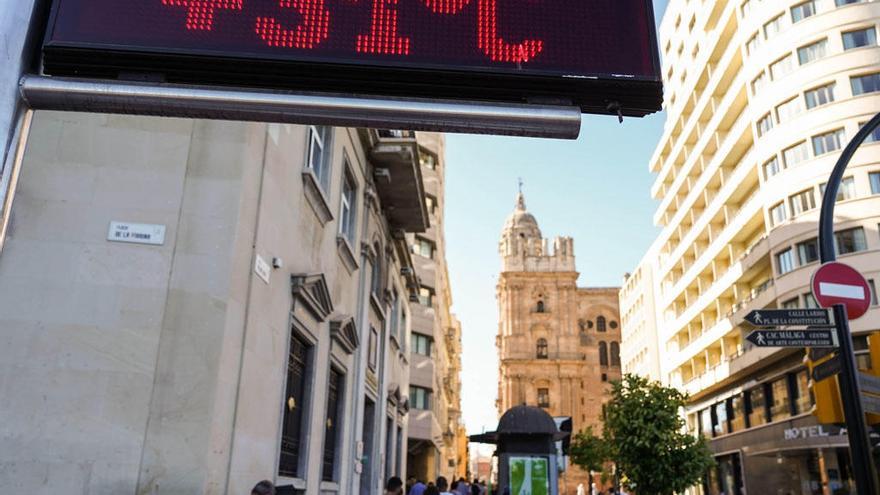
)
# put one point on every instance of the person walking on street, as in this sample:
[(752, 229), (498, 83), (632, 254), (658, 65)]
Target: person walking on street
[(417, 489), (394, 486), (443, 486)]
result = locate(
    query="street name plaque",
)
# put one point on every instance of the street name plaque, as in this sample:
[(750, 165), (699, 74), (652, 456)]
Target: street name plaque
[(792, 338), (788, 317)]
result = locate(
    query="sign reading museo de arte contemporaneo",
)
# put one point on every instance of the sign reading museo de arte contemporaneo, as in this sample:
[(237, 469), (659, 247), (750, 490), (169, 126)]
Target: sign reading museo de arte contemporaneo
[(586, 52)]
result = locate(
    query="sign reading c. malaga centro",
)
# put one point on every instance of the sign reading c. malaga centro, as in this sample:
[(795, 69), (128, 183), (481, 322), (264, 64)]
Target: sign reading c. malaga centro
[(583, 52)]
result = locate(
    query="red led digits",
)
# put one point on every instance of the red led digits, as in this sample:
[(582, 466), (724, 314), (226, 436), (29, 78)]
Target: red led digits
[(314, 29), (200, 13), (495, 47), (383, 37), (446, 6)]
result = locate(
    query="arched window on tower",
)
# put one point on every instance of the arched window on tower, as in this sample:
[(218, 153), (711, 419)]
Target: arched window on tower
[(540, 308), (615, 354), (541, 352), (600, 324), (603, 354)]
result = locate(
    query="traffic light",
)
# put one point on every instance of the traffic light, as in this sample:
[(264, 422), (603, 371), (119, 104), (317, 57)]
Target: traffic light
[(829, 407)]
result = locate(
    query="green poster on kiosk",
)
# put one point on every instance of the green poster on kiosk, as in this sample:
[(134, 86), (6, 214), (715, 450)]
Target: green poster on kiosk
[(529, 476)]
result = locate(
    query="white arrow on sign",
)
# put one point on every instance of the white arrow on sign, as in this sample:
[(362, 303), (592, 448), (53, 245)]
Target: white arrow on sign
[(842, 290)]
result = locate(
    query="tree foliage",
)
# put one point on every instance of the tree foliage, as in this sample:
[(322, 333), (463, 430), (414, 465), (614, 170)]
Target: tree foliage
[(644, 435)]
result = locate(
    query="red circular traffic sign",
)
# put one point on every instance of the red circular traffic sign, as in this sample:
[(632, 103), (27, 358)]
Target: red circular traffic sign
[(837, 283)]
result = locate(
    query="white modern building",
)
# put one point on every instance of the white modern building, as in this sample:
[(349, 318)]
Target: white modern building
[(761, 96)]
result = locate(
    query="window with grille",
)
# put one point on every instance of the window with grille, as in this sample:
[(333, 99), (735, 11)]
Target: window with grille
[(600, 324), (603, 354), (335, 392), (615, 354), (294, 407), (541, 351)]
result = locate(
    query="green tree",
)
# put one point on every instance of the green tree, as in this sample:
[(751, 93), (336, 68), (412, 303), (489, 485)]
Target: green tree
[(646, 438), (588, 451)]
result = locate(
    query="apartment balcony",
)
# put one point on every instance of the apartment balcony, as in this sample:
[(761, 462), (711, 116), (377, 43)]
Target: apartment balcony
[(421, 371), (398, 177), (423, 426)]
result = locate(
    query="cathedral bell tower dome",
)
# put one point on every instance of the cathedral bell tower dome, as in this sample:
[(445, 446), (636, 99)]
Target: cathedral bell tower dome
[(520, 224)]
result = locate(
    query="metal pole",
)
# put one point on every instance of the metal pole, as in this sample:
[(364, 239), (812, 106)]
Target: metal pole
[(214, 102), (850, 393)]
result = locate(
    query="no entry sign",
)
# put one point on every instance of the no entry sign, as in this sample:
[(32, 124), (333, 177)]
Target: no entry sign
[(837, 283)]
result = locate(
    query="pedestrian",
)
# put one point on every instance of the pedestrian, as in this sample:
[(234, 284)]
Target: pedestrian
[(475, 487), (264, 487), (463, 488), (417, 489), (394, 486), (443, 486), (581, 490), (431, 490), (409, 484)]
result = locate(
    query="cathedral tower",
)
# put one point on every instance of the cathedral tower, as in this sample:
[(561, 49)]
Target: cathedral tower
[(558, 344)]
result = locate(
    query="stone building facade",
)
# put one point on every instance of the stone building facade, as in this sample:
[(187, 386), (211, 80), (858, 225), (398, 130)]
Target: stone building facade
[(558, 343), (257, 328), (436, 430)]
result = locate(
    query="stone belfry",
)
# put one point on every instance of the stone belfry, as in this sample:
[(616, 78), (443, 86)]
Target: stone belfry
[(558, 343)]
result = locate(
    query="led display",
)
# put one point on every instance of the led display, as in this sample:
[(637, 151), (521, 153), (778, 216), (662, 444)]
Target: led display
[(588, 52)]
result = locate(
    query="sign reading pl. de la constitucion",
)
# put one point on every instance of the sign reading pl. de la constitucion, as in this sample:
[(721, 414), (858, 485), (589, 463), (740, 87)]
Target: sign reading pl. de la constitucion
[(788, 317)]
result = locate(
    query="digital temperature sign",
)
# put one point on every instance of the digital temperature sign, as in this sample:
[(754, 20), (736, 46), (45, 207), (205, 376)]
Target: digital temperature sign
[(585, 52)]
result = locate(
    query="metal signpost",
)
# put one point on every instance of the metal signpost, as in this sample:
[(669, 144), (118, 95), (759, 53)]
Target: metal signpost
[(850, 393)]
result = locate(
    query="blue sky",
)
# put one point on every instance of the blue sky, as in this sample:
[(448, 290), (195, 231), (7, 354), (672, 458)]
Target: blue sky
[(595, 189)]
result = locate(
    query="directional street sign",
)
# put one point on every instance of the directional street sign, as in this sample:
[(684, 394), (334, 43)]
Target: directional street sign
[(870, 384), (788, 317), (837, 283), (871, 404), (792, 338), (817, 353), (827, 369)]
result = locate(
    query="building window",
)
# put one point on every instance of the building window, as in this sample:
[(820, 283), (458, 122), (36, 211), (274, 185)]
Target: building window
[(544, 397), (784, 261), (612, 324), (615, 354), (788, 110), (376, 275), (720, 424), (796, 154), (765, 124), (869, 83), (874, 178), (603, 354), (319, 154), (771, 167), (819, 96), (373, 350), (773, 26), (737, 413), (295, 404), (753, 43), (759, 82), (541, 352), (430, 204), (781, 67), (859, 38), (420, 398), (347, 208), (705, 420), (540, 307), (808, 251), (600, 324), (841, 3), (426, 296), (827, 142), (847, 189), (802, 202), (873, 291), (428, 161), (422, 344), (423, 247), (803, 399), (874, 137), (780, 407), (812, 52), (746, 8), (792, 303), (850, 240), (778, 214), (803, 10), (335, 391), (757, 406), (810, 301)]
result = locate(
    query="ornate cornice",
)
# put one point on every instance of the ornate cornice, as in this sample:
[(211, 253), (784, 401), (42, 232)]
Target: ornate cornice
[(344, 331), (311, 291)]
